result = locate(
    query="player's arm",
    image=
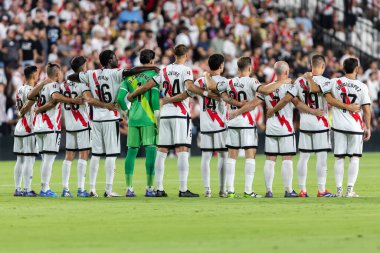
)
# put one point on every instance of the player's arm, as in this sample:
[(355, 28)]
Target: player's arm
[(281, 104), (121, 97), (138, 70), (314, 87), (302, 107), (58, 97), (210, 83), (339, 104), (249, 106), (269, 88), (142, 89), (96, 102), (49, 105), (36, 90), (190, 86), (26, 108), (231, 100), (177, 98), (367, 121), (155, 102), (74, 78)]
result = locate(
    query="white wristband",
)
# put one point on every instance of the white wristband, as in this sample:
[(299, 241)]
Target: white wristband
[(205, 93)]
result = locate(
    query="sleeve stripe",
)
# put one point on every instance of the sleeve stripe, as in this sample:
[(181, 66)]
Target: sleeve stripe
[(257, 89), (261, 98), (290, 93), (366, 104), (122, 88)]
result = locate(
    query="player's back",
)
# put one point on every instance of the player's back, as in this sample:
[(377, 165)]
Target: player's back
[(281, 124), (141, 110), (104, 85), (76, 116), (25, 124), (310, 122), (243, 89), (172, 80), (213, 112), (50, 120), (349, 91)]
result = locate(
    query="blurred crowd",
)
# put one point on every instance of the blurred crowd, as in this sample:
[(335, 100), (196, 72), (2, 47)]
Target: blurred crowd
[(36, 32)]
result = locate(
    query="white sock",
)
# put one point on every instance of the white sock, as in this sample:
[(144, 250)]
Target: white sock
[(110, 165), (94, 167), (321, 170), (339, 172), (28, 172), (159, 167), (183, 170), (222, 159), (66, 167), (302, 170), (19, 167), (249, 174), (81, 173), (205, 169), (269, 173), (230, 174), (46, 169), (353, 171), (287, 174)]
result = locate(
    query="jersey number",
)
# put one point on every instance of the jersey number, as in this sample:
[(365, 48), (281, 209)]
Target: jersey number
[(104, 95), (311, 99), (41, 100), (240, 96), (69, 95), (19, 104), (175, 88), (352, 98), (209, 103)]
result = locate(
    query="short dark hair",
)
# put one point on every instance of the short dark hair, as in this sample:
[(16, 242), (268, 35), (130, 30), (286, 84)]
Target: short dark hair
[(180, 50), (244, 62), (77, 62), (105, 57), (215, 60), (29, 71), (52, 68), (350, 64), (146, 56), (317, 60)]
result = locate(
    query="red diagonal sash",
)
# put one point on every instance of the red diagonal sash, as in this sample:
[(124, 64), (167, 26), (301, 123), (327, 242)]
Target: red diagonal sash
[(246, 114), (76, 113), (25, 124), (281, 118), (355, 115), (213, 114), (45, 117), (98, 89), (176, 104)]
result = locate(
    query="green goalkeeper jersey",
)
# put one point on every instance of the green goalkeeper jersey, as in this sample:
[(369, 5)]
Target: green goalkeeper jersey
[(143, 106)]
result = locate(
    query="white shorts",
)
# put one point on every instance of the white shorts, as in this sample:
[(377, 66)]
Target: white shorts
[(280, 145), (241, 138), (174, 132), (105, 138), (78, 141), (48, 142), (347, 144), (214, 141), (314, 142), (26, 146)]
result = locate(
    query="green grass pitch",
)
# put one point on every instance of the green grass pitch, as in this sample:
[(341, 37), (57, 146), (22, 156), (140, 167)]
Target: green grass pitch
[(192, 225)]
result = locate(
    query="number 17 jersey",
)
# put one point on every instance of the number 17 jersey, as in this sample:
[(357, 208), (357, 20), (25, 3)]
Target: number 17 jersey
[(104, 85), (172, 80)]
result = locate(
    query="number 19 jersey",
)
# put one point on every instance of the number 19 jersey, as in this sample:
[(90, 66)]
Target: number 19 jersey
[(104, 85), (349, 92), (311, 123), (24, 125), (172, 80)]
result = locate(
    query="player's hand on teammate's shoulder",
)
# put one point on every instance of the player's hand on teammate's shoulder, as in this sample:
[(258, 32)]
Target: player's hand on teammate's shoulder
[(354, 107), (318, 112), (367, 134), (308, 75)]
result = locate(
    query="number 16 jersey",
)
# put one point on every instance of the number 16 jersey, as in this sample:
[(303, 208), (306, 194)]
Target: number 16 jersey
[(104, 85), (172, 80)]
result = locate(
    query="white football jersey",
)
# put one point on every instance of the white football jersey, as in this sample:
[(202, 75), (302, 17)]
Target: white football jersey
[(280, 124), (349, 92), (104, 85), (172, 80), (75, 116), (213, 113), (24, 125), (49, 121), (308, 122), (241, 88)]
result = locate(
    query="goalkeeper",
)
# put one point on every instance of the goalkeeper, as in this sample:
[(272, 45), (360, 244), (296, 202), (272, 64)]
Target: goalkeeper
[(142, 127)]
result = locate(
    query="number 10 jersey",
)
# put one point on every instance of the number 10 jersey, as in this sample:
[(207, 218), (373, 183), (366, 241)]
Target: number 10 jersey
[(104, 85)]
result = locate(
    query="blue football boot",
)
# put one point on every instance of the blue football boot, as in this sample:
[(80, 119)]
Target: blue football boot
[(83, 194), (292, 194), (48, 193)]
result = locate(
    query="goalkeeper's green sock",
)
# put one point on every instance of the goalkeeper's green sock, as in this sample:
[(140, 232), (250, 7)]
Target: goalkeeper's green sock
[(129, 165), (151, 152)]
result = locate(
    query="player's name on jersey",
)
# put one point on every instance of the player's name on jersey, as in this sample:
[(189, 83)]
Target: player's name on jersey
[(350, 85), (174, 73), (102, 78), (240, 85), (140, 75)]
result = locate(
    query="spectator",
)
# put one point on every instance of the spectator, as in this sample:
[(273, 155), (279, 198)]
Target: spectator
[(27, 49), (53, 32), (130, 14)]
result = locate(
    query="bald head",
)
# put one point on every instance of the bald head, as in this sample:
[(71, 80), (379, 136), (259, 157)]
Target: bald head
[(281, 68)]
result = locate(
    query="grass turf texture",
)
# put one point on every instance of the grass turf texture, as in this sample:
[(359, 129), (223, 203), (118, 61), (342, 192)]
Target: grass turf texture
[(192, 225)]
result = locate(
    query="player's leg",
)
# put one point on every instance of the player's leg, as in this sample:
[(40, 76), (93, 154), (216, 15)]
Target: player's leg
[(18, 171), (340, 152), (287, 147), (111, 135), (97, 150), (271, 152), (66, 168), (133, 144), (222, 160), (233, 144), (31, 149), (149, 140), (84, 147), (249, 140), (355, 144), (305, 146), (207, 147)]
